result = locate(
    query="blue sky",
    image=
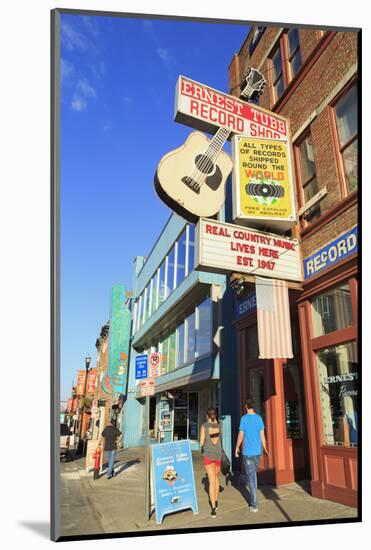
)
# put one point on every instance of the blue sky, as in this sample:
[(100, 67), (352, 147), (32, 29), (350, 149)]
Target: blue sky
[(118, 81)]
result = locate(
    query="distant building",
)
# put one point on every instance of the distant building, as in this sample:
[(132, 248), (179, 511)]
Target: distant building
[(180, 313)]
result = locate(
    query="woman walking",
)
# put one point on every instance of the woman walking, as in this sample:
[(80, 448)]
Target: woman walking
[(210, 441)]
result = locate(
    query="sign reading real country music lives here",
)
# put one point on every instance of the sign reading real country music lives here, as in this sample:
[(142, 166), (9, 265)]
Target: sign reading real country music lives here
[(206, 109), (224, 248)]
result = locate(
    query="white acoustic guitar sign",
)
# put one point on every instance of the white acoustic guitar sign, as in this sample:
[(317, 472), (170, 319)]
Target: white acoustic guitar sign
[(191, 179)]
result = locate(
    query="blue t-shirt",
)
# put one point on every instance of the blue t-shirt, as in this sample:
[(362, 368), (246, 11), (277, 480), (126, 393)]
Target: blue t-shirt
[(251, 426)]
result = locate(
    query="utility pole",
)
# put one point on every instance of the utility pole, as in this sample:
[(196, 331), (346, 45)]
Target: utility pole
[(147, 487)]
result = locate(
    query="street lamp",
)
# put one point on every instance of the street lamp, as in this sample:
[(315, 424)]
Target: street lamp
[(87, 365)]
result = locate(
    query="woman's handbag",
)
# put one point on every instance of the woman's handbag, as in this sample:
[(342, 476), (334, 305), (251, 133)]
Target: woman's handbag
[(225, 465)]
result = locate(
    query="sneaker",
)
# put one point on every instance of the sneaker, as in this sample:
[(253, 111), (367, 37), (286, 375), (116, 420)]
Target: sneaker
[(109, 477), (213, 513), (252, 509), (216, 505), (114, 473)]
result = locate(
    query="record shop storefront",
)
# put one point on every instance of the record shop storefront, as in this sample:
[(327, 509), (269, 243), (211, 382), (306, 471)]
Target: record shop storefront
[(276, 387), (177, 312), (328, 324)]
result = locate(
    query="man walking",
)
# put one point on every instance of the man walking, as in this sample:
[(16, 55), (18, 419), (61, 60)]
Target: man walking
[(251, 435), (110, 434)]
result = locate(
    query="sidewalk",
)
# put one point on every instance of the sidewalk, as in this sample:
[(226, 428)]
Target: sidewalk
[(117, 505)]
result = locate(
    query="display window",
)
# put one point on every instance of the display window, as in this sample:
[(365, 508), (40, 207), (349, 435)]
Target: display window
[(338, 384)]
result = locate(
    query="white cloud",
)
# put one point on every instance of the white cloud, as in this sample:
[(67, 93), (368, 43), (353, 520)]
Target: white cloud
[(67, 69), (163, 54), (83, 91), (91, 25), (78, 103), (72, 38), (84, 88)]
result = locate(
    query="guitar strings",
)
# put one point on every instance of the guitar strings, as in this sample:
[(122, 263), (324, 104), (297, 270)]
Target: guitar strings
[(205, 161), (215, 146)]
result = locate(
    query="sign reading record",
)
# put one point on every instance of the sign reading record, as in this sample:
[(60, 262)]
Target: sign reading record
[(225, 248)]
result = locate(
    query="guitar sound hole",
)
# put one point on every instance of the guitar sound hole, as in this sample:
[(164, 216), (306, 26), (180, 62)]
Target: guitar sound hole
[(204, 164), (192, 184)]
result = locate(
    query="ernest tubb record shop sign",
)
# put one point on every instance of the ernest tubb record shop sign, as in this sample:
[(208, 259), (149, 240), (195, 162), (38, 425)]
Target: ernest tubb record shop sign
[(206, 109)]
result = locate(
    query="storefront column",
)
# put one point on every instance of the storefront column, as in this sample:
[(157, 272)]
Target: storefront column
[(313, 423), (279, 464)]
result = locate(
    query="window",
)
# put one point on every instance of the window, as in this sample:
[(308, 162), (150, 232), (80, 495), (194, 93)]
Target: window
[(285, 62), (155, 291), (193, 415), (162, 282), (170, 272), (347, 130), (190, 338), (165, 356), (191, 248), (307, 176), (172, 349), (338, 375), (278, 80), (293, 51), (203, 328), (180, 345), (145, 305), (332, 310), (181, 258), (150, 298)]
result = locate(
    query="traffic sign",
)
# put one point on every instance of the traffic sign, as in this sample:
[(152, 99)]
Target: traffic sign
[(147, 387), (154, 361), (141, 367)]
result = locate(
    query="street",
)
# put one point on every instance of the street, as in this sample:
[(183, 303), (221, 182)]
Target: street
[(117, 505)]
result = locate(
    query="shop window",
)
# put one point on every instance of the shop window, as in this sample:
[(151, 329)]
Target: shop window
[(181, 259), (170, 272), (193, 415), (190, 338), (191, 248), (338, 376), (203, 328), (332, 310), (180, 345), (307, 176), (346, 110), (293, 51), (294, 421)]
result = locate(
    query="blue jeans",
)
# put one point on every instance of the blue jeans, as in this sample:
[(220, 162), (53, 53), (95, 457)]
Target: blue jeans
[(111, 462), (251, 463)]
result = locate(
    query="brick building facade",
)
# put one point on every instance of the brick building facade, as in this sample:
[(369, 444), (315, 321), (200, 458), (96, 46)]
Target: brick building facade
[(312, 80)]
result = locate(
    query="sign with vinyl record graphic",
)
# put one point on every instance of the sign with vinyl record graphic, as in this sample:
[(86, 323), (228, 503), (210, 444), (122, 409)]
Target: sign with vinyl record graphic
[(263, 193)]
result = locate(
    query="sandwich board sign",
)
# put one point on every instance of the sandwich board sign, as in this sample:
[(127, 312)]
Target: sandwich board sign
[(173, 478)]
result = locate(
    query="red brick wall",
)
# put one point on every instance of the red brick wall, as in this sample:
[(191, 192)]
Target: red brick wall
[(301, 102)]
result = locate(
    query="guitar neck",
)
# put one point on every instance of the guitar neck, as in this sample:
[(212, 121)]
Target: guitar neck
[(217, 142)]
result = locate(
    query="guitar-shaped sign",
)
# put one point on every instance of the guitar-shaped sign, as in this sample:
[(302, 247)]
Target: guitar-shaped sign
[(191, 179)]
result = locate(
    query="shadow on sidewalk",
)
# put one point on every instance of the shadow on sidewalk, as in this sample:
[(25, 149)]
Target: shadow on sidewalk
[(123, 467), (240, 483)]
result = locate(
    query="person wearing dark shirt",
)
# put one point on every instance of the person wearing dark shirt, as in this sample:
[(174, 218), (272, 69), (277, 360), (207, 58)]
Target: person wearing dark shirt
[(110, 435)]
